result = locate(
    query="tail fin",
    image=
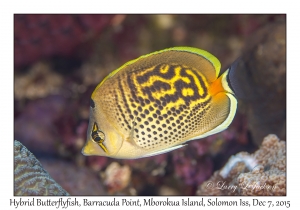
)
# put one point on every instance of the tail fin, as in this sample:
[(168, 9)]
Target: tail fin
[(237, 81), (229, 83), (232, 81)]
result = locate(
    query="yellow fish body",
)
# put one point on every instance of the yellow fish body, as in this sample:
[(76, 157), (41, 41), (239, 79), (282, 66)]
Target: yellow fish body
[(157, 102)]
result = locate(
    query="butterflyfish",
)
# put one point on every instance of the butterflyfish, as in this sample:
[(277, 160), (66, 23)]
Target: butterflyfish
[(158, 102)]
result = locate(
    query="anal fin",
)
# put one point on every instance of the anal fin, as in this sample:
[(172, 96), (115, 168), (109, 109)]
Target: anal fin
[(164, 151)]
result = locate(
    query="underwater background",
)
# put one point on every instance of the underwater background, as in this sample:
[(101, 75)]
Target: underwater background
[(60, 59)]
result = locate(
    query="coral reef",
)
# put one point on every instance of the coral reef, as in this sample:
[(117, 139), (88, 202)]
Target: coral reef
[(192, 170), (261, 173), (262, 71), (54, 82), (39, 82), (116, 177), (35, 126), (30, 176), (76, 179), (42, 36)]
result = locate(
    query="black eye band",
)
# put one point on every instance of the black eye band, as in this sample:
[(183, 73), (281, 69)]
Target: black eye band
[(98, 137), (92, 103)]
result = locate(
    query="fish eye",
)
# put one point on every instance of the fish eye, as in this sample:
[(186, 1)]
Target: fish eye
[(92, 103), (98, 137)]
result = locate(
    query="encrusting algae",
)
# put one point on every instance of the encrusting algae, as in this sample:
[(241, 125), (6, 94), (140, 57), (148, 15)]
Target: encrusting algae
[(116, 177), (261, 173)]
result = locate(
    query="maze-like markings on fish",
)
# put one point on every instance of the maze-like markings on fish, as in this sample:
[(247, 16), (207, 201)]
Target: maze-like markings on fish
[(164, 104)]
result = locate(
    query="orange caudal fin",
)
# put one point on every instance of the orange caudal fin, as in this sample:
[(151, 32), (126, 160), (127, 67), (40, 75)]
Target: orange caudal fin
[(216, 87), (221, 84), (230, 81)]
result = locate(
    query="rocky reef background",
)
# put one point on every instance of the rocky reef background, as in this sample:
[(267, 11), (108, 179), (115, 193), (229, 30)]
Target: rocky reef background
[(59, 60)]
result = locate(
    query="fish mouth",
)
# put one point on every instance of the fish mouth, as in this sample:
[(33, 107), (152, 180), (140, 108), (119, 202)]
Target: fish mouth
[(84, 152), (88, 149)]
